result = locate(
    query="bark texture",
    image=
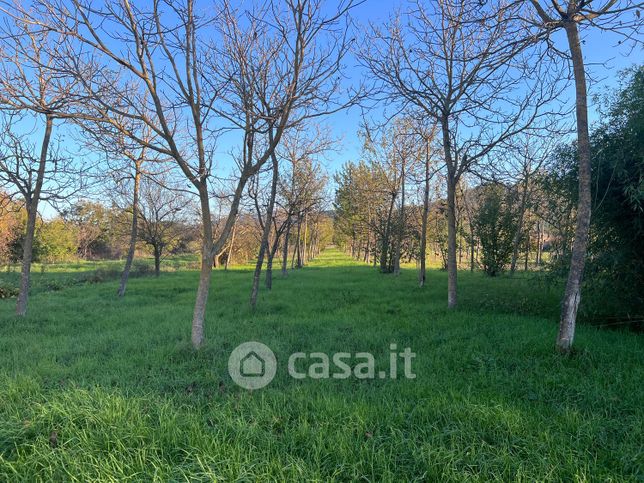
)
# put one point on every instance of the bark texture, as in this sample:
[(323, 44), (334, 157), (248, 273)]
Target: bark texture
[(572, 295), (265, 235), (32, 215), (203, 288), (133, 230), (451, 217), (423, 230), (285, 249)]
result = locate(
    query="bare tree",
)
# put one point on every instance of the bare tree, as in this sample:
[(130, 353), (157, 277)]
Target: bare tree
[(529, 155), (266, 223), (301, 184), (137, 160), (427, 137), (622, 17), (231, 247), (463, 64), (121, 170), (29, 88), (294, 195), (162, 212), (262, 75)]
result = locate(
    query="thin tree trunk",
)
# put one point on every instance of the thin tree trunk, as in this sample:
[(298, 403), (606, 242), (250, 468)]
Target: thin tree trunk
[(32, 215), (229, 256), (263, 248), (517, 235), (527, 250), (297, 242), (285, 249), (572, 294), (423, 229), (539, 244), (385, 241), (401, 221), (300, 255), (269, 262), (472, 240), (375, 251), (205, 273), (297, 238), (367, 248), (305, 240), (157, 261), (134, 229), (451, 244), (471, 250), (451, 218)]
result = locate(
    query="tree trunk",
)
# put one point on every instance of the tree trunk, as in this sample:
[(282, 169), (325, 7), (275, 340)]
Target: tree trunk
[(298, 246), (285, 249), (263, 248), (451, 243), (229, 255), (367, 248), (423, 229), (300, 255), (401, 221), (269, 262), (539, 244), (32, 215), (304, 258), (297, 242), (374, 259), (451, 217), (133, 231), (157, 261), (384, 251), (517, 235), (205, 274), (572, 294), (527, 250), (471, 250)]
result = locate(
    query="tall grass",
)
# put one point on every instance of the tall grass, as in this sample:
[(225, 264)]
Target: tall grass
[(95, 388)]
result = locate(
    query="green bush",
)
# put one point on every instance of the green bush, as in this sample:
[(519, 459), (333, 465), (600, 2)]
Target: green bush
[(495, 224)]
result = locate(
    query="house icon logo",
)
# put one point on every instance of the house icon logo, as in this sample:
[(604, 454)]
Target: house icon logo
[(252, 365)]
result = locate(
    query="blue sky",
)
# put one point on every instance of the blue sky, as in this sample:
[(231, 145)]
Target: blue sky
[(599, 48), (603, 57)]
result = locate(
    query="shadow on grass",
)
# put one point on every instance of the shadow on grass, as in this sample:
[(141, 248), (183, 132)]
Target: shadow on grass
[(119, 383)]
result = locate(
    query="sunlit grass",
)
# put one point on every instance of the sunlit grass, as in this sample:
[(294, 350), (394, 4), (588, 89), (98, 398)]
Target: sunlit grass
[(127, 398)]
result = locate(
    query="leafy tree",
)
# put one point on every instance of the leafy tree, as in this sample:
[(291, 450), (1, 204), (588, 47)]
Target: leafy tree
[(92, 223), (616, 264), (10, 226), (56, 241), (495, 224)]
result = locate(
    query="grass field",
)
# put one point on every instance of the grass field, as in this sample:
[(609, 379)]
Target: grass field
[(95, 388)]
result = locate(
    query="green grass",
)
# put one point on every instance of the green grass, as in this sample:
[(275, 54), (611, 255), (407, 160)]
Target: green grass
[(128, 399)]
